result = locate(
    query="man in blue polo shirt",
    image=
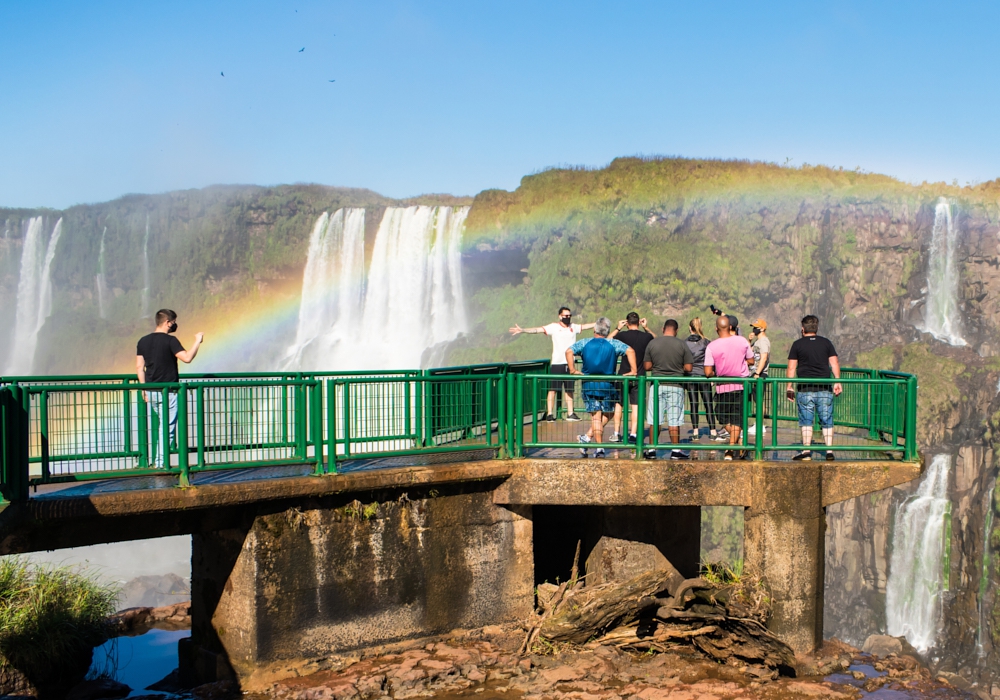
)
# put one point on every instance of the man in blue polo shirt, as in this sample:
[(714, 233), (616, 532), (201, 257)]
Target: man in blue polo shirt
[(600, 357)]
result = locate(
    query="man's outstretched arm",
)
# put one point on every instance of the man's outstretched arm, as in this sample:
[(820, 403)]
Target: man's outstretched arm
[(515, 329)]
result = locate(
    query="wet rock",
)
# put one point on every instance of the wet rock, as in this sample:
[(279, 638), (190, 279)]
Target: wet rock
[(154, 591), (220, 690), (882, 645), (98, 689)]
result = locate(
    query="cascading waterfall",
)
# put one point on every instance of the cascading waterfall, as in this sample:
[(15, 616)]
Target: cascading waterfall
[(913, 589), (34, 295), (941, 314), (145, 272), (100, 281), (332, 288), (415, 283), (414, 287)]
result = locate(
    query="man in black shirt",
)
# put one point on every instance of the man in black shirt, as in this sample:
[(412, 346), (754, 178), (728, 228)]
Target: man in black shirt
[(813, 357), (637, 337), (156, 358)]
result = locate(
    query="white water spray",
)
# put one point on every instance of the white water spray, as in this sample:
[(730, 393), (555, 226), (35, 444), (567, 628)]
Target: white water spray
[(415, 283), (941, 314), (100, 281), (412, 300), (34, 295), (913, 589), (332, 288), (145, 273)]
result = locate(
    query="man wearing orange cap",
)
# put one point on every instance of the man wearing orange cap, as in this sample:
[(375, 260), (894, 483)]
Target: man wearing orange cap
[(761, 347)]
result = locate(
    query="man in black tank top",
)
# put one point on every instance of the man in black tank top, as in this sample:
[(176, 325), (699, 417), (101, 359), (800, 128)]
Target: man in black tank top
[(156, 358), (637, 336)]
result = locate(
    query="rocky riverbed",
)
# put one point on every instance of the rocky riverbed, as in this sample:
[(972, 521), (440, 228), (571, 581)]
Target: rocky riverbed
[(482, 665)]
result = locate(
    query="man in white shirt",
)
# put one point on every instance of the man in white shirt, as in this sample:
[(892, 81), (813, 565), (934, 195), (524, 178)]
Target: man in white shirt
[(563, 334)]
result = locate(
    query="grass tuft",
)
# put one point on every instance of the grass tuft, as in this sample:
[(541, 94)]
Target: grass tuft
[(49, 616)]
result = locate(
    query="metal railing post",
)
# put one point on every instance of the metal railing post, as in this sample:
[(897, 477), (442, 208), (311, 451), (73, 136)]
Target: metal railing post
[(316, 414), (347, 420), (640, 420), (199, 398), (165, 426), (503, 426), (127, 415), (43, 430), (142, 428), (300, 422), (758, 442), (911, 419), (184, 480), (331, 425)]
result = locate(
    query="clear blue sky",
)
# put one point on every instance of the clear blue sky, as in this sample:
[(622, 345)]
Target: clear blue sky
[(100, 99)]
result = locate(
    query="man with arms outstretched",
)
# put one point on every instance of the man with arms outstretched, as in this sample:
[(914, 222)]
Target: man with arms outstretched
[(563, 335)]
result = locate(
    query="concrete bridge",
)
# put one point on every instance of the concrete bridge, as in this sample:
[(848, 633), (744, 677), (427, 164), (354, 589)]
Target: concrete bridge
[(293, 561)]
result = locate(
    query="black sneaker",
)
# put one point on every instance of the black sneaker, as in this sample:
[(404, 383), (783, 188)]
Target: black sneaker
[(803, 456), (548, 418), (830, 457), (631, 438), (599, 452), (677, 454), (572, 417), (728, 456), (649, 454)]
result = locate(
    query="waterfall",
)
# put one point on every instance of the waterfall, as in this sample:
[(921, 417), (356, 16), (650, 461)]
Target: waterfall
[(415, 283), (332, 287), (145, 313), (941, 314), (100, 281), (913, 589), (34, 295), (412, 298)]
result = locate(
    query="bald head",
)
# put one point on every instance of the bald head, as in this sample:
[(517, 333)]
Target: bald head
[(722, 326)]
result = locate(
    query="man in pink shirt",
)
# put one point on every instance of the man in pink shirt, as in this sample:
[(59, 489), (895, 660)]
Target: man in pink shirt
[(729, 355)]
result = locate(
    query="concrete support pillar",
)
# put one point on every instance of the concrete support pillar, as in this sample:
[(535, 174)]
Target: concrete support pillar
[(301, 585), (784, 542)]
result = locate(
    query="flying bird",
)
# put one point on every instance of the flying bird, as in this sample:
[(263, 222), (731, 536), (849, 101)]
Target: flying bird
[(302, 49), (333, 81), (222, 74)]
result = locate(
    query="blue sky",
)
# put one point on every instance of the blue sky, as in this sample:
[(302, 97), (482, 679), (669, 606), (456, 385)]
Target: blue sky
[(100, 99)]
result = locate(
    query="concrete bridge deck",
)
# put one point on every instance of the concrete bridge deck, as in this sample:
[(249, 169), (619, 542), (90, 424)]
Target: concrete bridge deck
[(286, 566)]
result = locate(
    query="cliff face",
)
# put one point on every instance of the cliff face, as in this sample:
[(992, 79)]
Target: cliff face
[(663, 237)]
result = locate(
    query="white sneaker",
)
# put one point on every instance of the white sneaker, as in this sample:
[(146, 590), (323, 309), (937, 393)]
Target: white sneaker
[(615, 437), (583, 440), (722, 436), (599, 452)]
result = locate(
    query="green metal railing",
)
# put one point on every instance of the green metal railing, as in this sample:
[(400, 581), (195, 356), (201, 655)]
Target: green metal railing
[(60, 429)]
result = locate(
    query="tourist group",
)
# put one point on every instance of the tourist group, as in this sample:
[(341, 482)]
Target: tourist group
[(633, 349)]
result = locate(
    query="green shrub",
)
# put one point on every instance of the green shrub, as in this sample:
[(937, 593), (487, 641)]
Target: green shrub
[(51, 618)]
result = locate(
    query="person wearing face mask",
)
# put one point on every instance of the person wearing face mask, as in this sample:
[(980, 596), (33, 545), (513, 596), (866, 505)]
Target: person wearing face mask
[(563, 335), (156, 358)]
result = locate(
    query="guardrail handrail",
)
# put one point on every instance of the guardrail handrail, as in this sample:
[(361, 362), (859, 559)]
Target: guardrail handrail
[(71, 427)]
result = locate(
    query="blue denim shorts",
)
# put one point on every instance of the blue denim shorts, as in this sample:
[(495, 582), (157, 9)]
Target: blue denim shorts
[(811, 403), (600, 396)]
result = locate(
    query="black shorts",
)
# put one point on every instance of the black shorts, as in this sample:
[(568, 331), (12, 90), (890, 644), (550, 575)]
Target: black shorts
[(560, 384), (633, 393), (729, 408)]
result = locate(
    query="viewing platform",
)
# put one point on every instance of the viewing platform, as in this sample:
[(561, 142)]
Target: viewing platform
[(335, 511)]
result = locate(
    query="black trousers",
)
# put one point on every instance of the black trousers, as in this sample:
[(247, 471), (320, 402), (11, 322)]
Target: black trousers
[(705, 391)]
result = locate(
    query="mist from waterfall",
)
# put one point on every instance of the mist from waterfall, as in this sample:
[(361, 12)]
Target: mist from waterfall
[(100, 280), (34, 294), (913, 589), (410, 300), (941, 314), (145, 313), (332, 288)]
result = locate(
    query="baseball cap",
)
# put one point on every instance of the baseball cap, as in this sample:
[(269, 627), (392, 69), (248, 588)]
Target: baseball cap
[(760, 323), (733, 321)]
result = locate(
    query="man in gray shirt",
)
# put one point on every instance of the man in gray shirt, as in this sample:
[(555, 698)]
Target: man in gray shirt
[(668, 356)]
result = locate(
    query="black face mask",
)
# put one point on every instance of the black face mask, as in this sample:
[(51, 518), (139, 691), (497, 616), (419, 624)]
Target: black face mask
[(172, 328), (566, 321)]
